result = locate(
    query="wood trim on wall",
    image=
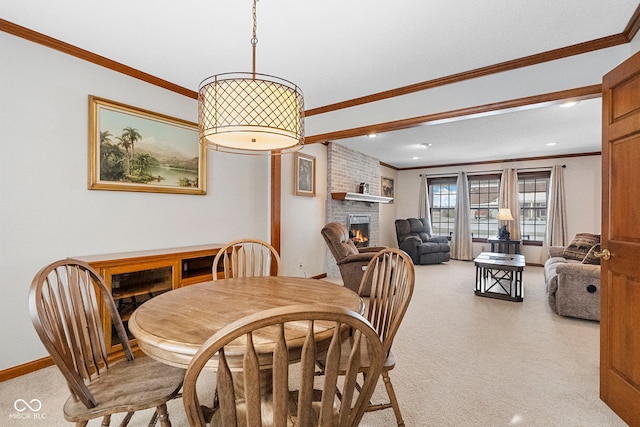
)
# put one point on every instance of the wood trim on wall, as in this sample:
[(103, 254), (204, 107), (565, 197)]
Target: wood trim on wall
[(581, 93), (520, 159), (25, 368), (551, 55), (276, 200), (39, 38), (633, 26)]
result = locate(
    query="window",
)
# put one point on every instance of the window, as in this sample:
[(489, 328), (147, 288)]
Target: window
[(484, 191), (442, 195), (533, 189), (483, 198)]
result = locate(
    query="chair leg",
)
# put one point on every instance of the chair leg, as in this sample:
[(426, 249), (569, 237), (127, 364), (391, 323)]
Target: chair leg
[(126, 419), (106, 420), (82, 423), (392, 397), (163, 416)]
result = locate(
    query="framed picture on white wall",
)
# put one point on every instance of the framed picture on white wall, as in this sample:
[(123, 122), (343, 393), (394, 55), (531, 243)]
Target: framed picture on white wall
[(386, 186), (305, 175), (131, 149)]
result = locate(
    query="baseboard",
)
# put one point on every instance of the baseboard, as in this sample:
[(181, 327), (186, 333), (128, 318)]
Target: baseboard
[(25, 368)]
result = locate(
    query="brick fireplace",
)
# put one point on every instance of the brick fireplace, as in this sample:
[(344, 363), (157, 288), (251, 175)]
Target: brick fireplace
[(346, 169)]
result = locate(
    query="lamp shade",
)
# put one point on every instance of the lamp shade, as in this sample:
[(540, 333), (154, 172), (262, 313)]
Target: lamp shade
[(504, 214), (250, 113)]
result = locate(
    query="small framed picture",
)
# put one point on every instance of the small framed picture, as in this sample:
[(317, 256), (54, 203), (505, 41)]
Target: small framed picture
[(386, 185), (305, 171)]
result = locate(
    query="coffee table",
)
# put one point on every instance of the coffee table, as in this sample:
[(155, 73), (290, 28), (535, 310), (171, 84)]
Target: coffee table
[(499, 276)]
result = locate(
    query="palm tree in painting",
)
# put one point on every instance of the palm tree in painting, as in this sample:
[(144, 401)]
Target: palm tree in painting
[(124, 143), (131, 135), (143, 161), (105, 137)]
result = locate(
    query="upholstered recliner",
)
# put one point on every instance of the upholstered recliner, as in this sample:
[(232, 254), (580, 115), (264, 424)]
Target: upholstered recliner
[(352, 261), (572, 283), (414, 238)]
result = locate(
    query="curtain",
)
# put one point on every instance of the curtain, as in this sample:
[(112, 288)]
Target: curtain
[(509, 199), (461, 241), (424, 210), (556, 232)]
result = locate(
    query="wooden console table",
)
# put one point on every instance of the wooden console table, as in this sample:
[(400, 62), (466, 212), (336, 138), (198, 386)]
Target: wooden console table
[(136, 277)]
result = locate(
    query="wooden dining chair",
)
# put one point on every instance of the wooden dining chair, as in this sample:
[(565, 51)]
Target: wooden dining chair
[(64, 310), (246, 258), (392, 276), (313, 400)]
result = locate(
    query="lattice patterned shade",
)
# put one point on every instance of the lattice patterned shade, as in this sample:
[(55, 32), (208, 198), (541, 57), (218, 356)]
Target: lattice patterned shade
[(250, 113)]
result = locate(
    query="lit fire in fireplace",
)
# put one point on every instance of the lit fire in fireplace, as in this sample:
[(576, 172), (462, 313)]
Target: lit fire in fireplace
[(358, 238)]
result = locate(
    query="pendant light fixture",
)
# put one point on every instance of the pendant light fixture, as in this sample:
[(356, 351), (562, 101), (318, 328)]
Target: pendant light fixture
[(250, 113)]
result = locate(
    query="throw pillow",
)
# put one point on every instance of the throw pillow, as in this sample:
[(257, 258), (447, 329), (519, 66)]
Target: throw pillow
[(580, 246), (591, 258)]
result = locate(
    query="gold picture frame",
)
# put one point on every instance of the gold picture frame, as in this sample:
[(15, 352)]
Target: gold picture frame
[(305, 175), (387, 187), (131, 149)]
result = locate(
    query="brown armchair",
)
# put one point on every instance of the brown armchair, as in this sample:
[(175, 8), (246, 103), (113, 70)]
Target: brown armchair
[(352, 261)]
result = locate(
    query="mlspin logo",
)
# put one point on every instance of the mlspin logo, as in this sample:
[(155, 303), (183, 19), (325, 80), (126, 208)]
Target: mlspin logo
[(22, 406)]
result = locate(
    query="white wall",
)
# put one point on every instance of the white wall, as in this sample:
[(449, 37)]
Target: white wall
[(46, 210), (388, 212), (302, 218), (582, 177)]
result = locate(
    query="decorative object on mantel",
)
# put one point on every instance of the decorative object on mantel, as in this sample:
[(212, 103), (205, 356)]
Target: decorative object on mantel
[(131, 149), (250, 113), (305, 175), (504, 214), (359, 197), (363, 188)]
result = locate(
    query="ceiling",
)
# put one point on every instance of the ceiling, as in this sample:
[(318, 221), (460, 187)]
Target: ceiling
[(337, 50)]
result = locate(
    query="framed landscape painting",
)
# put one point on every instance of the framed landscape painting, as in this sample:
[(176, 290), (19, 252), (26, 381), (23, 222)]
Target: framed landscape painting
[(131, 149), (305, 175)]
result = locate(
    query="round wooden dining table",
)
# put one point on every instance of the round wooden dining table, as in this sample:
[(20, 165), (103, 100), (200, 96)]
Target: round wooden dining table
[(172, 327)]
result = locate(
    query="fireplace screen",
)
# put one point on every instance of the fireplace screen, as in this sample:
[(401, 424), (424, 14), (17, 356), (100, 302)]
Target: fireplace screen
[(358, 226)]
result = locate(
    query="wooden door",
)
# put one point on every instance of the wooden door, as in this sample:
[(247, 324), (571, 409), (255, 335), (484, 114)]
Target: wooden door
[(620, 290)]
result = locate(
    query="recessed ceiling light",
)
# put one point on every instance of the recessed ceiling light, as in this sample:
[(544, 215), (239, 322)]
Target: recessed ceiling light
[(415, 158), (568, 104), (372, 135), (550, 144), (425, 145)]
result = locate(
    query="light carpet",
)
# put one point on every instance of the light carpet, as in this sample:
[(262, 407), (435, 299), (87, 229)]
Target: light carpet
[(463, 360)]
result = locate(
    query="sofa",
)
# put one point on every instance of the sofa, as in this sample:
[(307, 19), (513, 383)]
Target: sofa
[(352, 261), (573, 283), (414, 238)]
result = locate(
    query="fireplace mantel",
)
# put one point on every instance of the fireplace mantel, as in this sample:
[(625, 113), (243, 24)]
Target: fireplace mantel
[(360, 197)]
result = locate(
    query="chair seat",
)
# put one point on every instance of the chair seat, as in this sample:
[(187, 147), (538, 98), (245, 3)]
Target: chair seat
[(389, 362), (128, 387)]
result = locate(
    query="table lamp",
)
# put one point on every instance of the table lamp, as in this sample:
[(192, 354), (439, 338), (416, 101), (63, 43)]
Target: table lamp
[(504, 214)]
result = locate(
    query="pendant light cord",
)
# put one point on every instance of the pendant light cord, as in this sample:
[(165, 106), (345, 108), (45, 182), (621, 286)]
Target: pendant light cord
[(254, 39)]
